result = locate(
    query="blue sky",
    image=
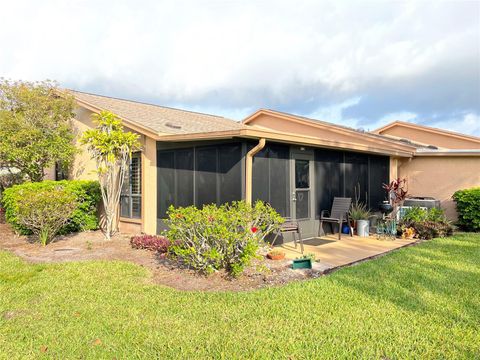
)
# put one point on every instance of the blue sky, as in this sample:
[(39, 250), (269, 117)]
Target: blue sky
[(355, 63)]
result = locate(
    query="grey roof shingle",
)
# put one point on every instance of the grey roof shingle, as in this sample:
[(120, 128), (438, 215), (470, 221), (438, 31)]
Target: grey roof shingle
[(160, 119)]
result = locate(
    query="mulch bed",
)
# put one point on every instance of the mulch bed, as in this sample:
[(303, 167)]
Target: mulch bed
[(92, 246)]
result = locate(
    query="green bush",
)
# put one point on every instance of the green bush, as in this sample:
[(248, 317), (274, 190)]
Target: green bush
[(427, 224), (44, 212), (86, 194), (220, 237), (468, 208), (414, 214)]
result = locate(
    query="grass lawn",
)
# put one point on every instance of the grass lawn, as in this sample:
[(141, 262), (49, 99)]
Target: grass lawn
[(418, 302)]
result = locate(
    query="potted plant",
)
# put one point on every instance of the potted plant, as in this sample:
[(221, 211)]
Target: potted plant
[(360, 215), (385, 207), (397, 192), (276, 255)]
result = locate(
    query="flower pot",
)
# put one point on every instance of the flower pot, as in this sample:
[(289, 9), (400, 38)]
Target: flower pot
[(302, 264), (385, 208), (363, 228), (276, 256)]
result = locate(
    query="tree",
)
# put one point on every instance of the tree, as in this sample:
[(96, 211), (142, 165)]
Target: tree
[(111, 148), (35, 127)]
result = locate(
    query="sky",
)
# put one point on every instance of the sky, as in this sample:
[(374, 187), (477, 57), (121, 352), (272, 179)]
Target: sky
[(355, 63)]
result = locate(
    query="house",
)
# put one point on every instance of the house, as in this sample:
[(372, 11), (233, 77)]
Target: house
[(296, 164), (443, 163)]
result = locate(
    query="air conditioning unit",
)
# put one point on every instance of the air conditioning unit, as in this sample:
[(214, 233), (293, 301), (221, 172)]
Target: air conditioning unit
[(424, 202)]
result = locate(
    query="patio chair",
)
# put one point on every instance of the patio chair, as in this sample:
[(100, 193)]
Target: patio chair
[(290, 227), (337, 215)]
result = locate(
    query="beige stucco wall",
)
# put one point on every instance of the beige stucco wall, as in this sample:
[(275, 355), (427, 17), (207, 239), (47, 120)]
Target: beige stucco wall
[(393, 174), (149, 189), (440, 177), (431, 138), (83, 168)]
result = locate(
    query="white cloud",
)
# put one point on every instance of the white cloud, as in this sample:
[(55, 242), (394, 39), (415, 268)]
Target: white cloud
[(468, 124), (306, 57)]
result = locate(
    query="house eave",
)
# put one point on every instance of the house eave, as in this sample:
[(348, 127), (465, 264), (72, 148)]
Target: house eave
[(447, 153), (256, 133)]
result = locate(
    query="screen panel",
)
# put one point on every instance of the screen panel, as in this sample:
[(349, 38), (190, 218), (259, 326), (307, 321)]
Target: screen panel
[(271, 177), (166, 182), (261, 176), (230, 173), (280, 179), (184, 177), (356, 176), (328, 178), (379, 167), (206, 176)]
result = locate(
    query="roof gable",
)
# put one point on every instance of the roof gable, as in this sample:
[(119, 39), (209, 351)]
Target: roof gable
[(298, 125), (429, 135)]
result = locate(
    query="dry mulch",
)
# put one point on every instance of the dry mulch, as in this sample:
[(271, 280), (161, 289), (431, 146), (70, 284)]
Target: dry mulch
[(92, 246)]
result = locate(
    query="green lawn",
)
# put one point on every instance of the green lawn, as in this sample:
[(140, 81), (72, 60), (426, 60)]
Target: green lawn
[(418, 302)]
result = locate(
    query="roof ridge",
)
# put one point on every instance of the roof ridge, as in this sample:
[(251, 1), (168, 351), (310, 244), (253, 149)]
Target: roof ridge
[(150, 104)]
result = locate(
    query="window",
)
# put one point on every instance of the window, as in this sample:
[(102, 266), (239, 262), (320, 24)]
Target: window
[(131, 196), (302, 174), (60, 172)]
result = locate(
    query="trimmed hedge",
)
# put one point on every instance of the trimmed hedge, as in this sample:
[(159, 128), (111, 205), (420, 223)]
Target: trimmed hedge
[(468, 208), (87, 195)]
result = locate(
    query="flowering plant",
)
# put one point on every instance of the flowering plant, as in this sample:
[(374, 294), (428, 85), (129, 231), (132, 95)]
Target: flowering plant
[(220, 237)]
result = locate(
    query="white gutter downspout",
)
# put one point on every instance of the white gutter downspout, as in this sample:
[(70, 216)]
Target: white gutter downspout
[(248, 169)]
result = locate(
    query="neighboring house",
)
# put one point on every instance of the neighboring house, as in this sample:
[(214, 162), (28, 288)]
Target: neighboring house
[(296, 164), (444, 161)]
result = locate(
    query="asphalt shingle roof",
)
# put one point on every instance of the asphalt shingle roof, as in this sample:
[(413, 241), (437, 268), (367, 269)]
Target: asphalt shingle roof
[(159, 118)]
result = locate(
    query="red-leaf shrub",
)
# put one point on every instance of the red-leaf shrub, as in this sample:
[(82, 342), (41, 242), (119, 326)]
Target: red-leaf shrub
[(150, 242)]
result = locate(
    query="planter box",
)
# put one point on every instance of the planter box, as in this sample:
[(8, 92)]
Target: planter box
[(302, 264)]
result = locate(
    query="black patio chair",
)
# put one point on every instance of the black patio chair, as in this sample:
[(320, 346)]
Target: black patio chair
[(337, 215), (291, 227)]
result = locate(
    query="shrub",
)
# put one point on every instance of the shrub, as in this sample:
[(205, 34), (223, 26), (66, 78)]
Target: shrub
[(45, 211), (414, 214), (215, 237), (150, 242), (84, 216), (429, 229), (468, 208), (426, 224)]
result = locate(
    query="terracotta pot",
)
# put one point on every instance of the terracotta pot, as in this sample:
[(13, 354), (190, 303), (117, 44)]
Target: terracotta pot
[(276, 256)]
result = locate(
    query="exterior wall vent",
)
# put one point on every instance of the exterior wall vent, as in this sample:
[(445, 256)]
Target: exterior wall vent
[(172, 125)]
